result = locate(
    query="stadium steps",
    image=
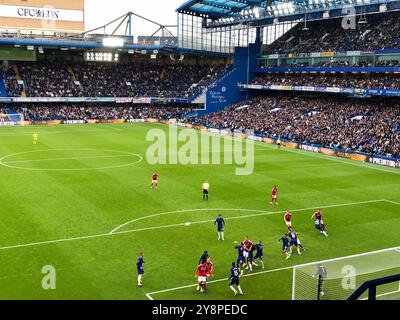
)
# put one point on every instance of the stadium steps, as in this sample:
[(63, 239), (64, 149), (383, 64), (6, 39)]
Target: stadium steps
[(71, 71), (162, 75), (3, 89), (18, 77)]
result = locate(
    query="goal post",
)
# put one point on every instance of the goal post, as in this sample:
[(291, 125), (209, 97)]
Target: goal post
[(336, 279)]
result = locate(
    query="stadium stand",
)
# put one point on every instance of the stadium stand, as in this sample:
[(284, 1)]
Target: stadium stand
[(366, 126), (55, 79), (375, 81), (80, 112), (382, 32)]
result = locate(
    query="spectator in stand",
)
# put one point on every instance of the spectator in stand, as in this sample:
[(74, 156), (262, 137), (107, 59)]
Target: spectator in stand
[(364, 81), (382, 31), (56, 79), (84, 112), (367, 126)]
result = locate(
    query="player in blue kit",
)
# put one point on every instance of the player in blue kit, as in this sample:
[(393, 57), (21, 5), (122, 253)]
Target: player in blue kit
[(139, 266), (250, 259), (220, 222), (259, 253), (285, 245), (293, 242), (203, 258), (319, 224), (240, 258), (235, 273)]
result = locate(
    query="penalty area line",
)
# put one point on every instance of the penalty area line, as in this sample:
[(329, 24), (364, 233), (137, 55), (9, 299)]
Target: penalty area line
[(260, 213), (178, 224), (150, 294)]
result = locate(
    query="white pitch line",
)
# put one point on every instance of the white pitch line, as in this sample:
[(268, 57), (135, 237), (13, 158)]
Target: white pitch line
[(378, 295), (394, 202), (261, 213), (73, 158), (182, 211), (149, 295), (173, 225)]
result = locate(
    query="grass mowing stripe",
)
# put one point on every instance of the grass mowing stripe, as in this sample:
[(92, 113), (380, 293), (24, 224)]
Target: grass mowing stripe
[(173, 225)]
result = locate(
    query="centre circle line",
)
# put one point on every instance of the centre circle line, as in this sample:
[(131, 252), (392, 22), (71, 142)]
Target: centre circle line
[(122, 153)]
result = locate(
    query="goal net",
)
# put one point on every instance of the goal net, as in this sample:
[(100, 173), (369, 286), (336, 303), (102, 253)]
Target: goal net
[(11, 119), (336, 279)]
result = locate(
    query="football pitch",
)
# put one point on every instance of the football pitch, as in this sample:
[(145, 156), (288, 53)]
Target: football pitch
[(80, 200)]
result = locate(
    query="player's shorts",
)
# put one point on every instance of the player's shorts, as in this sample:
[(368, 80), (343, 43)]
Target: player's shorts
[(205, 191), (234, 281), (294, 242), (258, 256), (273, 196), (239, 261), (140, 271), (318, 227), (201, 279), (284, 247), (245, 253), (289, 224), (154, 181), (220, 229), (298, 241)]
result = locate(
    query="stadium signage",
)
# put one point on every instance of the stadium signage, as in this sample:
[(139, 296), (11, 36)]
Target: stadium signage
[(73, 122), (357, 156), (135, 120), (7, 124), (308, 148), (384, 162), (44, 13)]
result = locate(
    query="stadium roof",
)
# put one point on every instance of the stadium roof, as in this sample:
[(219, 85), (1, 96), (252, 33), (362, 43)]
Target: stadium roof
[(219, 8), (235, 10)]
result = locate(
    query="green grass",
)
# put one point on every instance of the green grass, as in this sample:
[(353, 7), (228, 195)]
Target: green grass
[(40, 203)]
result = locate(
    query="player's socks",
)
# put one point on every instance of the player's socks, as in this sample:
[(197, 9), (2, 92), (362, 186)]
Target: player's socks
[(298, 250), (222, 236), (325, 234), (233, 289), (250, 267), (240, 289), (262, 263)]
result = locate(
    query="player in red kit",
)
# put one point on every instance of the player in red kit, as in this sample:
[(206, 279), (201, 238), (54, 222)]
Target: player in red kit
[(317, 215), (287, 217), (201, 274), (154, 180), (210, 267), (274, 195), (247, 246)]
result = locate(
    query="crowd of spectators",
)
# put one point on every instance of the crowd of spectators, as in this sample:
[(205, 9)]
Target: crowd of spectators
[(49, 79), (381, 31), (333, 63), (361, 81), (372, 127), (81, 112)]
